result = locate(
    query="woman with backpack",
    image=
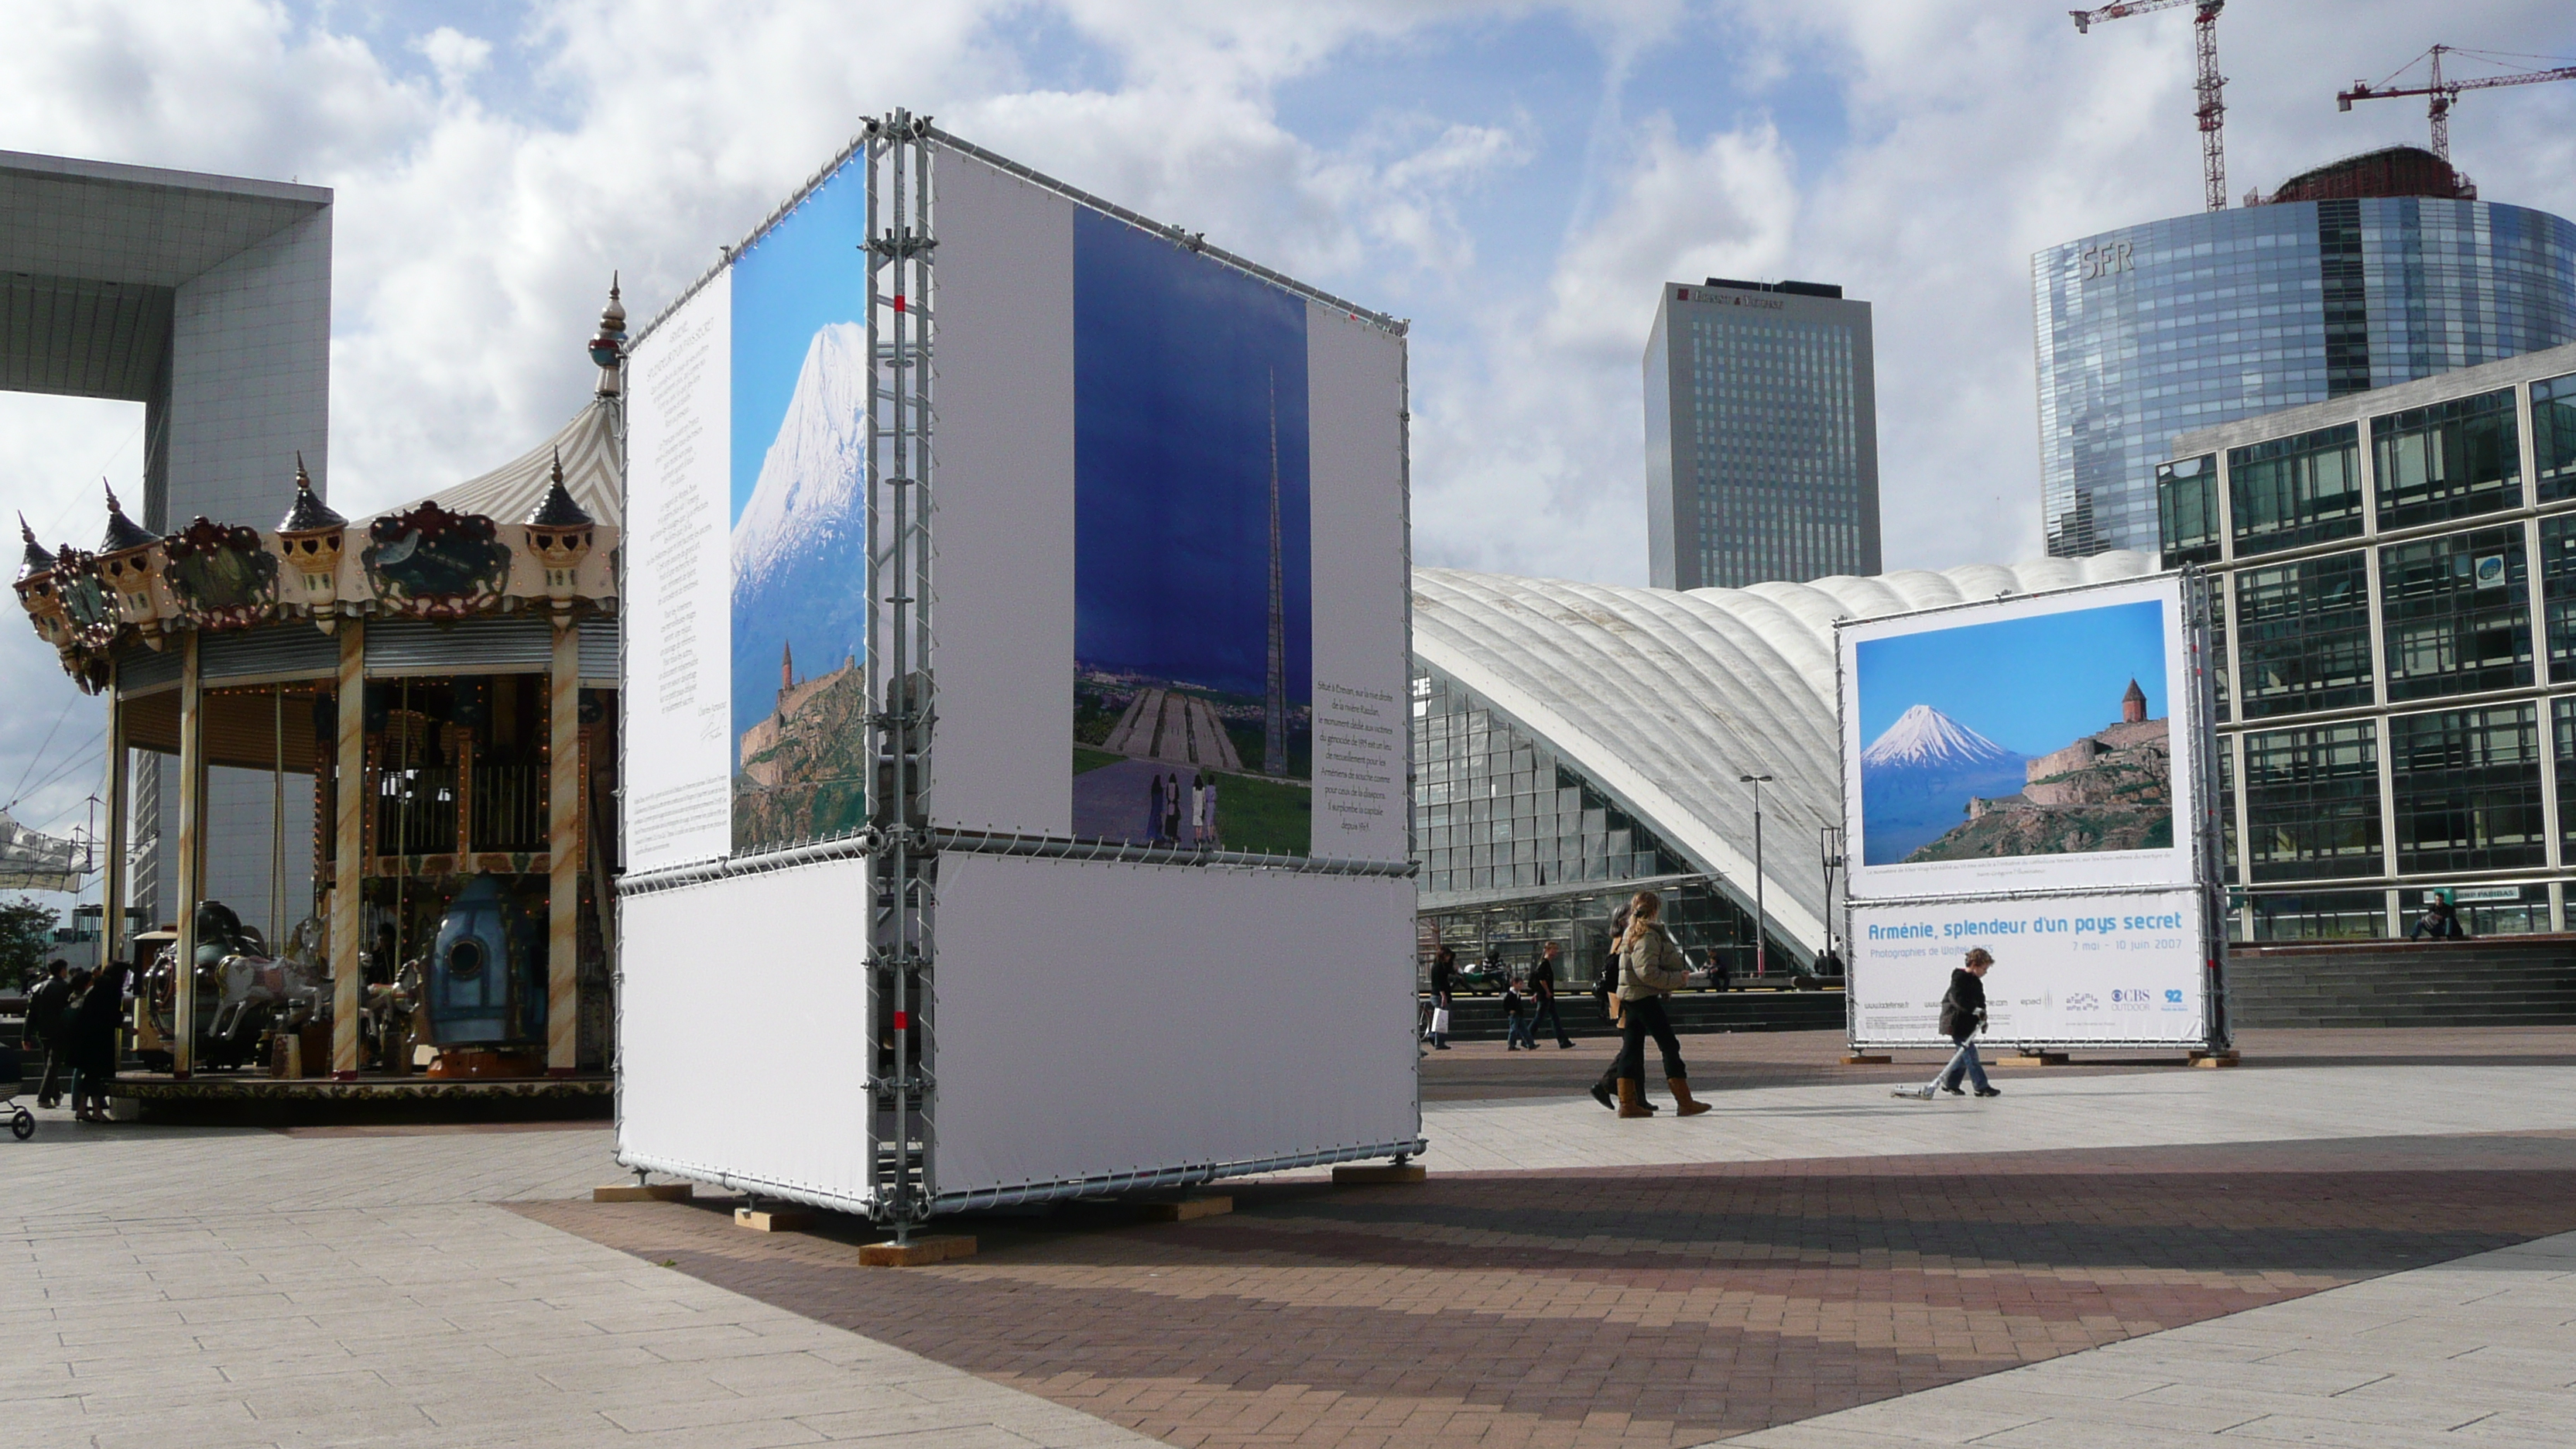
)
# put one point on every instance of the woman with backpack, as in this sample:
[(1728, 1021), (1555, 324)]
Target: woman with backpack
[(1651, 967)]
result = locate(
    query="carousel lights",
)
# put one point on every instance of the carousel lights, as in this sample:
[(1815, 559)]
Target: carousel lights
[(312, 537)]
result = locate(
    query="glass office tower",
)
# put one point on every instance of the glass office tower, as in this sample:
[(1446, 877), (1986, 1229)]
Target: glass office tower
[(1761, 435), (2156, 330)]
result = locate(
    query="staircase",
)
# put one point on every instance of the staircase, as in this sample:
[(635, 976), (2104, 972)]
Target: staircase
[(2499, 981), (1480, 1018)]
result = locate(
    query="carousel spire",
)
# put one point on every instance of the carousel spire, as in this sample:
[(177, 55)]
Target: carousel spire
[(309, 512), (35, 560), (557, 509), (122, 532), (609, 347)]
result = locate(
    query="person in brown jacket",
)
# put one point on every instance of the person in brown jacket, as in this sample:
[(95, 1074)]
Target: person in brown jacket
[(1651, 968)]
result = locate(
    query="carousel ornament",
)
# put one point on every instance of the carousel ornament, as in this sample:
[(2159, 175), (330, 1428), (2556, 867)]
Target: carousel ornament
[(608, 349), (221, 575), (560, 535), (312, 537), (431, 563), (38, 595), (129, 565)]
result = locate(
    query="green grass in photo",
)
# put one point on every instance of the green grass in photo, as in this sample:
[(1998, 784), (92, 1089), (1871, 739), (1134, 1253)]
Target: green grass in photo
[(1086, 760), (1258, 814)]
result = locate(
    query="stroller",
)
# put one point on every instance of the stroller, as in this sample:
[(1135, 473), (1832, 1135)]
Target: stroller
[(22, 1123)]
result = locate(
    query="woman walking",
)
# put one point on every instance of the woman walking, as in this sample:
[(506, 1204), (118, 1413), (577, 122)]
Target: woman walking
[(1651, 968), (94, 1042)]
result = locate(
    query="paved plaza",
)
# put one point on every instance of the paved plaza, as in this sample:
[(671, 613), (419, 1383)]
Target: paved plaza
[(2373, 1243)]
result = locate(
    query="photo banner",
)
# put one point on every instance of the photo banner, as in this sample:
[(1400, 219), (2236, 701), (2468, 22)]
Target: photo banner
[(2027, 744), (2096, 969)]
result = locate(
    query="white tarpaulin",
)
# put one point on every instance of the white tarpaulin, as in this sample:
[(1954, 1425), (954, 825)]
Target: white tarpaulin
[(33, 862), (2068, 969)]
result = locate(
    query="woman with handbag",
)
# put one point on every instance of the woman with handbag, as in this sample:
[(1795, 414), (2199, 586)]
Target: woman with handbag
[(1651, 967)]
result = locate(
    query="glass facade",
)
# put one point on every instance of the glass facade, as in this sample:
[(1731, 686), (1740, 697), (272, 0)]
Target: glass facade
[(2558, 594), (2468, 789), (2312, 802), (2553, 438), (2451, 460), (2303, 635), (1517, 848), (2157, 330), (2292, 492), (1761, 438), (2457, 612)]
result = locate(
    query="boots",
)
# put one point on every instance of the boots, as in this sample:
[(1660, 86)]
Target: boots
[(1631, 1103), (1683, 1106)]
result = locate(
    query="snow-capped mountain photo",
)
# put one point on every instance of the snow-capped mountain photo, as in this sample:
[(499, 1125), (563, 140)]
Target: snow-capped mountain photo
[(1917, 778), (800, 548)]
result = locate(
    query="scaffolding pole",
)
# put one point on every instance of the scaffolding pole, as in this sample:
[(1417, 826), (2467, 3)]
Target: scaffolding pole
[(901, 715)]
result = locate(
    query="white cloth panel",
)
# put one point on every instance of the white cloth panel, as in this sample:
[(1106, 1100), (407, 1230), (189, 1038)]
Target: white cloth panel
[(678, 701), (2069, 970), (1097, 1018), (1355, 481), (1004, 648), (742, 1038)]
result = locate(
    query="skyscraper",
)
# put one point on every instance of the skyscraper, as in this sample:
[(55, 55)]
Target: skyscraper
[(2375, 270), (1761, 435)]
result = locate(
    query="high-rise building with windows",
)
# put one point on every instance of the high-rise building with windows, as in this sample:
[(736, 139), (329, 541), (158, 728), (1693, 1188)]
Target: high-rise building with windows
[(2393, 591), (2373, 271), (1761, 435)]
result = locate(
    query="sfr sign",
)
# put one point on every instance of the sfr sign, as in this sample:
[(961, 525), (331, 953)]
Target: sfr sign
[(2105, 259)]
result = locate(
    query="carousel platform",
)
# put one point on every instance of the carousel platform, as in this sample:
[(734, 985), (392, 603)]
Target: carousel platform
[(259, 1100)]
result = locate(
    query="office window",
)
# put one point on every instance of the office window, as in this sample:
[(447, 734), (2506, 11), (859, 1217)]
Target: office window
[(2562, 729), (2290, 492), (2312, 803), (2450, 460), (2513, 910), (2187, 510), (2457, 614), (2320, 916), (2553, 437), (2303, 635), (2467, 789)]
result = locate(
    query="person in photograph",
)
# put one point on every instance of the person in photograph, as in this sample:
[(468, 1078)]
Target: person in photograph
[(1172, 809), (1444, 984), (47, 1007), (1651, 967), (1198, 809), (1963, 1015), (1542, 981), (1154, 810), (1207, 818)]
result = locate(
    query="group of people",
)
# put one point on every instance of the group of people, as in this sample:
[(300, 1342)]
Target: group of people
[(1647, 965), (1182, 814), (73, 1016)]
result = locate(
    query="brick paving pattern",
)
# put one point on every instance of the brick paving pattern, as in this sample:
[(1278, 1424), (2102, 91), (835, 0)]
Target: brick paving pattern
[(1632, 1306)]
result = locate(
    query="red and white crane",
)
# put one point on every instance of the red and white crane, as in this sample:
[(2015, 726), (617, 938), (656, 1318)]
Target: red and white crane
[(2445, 90), (2213, 110)]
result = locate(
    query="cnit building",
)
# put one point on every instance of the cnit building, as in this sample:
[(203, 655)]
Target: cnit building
[(2376, 270)]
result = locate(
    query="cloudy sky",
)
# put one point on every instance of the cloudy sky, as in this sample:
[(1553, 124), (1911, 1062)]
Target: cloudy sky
[(1516, 178)]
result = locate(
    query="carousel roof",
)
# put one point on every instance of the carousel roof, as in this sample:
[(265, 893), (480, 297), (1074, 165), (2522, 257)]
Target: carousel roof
[(519, 488)]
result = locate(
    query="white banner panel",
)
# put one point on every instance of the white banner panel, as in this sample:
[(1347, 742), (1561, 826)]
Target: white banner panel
[(743, 1031), (1005, 520), (678, 586), (1108, 1018), (2021, 745), (1354, 409), (2069, 970)]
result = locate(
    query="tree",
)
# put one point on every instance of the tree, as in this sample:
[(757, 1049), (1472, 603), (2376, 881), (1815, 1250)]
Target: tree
[(26, 941)]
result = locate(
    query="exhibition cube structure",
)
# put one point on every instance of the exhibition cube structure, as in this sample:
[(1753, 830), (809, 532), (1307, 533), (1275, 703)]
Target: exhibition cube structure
[(2034, 775), (1015, 759)]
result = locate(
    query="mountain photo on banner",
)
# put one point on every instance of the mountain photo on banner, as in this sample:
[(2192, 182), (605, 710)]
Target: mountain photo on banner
[(1193, 625), (2045, 735), (800, 548)]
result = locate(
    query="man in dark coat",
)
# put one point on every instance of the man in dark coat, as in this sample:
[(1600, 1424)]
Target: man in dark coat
[(1542, 982), (1444, 983), (95, 1043), (45, 1006), (1963, 1015)]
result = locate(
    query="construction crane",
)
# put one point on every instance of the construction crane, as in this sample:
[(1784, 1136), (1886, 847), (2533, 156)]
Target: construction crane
[(2213, 111), (2443, 91)]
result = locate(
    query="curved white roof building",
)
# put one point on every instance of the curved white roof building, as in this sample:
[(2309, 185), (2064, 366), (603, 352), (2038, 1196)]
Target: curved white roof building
[(1649, 705)]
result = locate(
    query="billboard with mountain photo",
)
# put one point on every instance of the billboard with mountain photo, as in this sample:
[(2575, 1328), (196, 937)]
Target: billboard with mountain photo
[(2027, 743)]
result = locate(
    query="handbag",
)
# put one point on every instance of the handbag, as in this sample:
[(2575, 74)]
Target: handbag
[(1440, 1021)]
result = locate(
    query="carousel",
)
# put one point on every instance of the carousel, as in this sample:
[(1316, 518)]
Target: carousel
[(438, 681)]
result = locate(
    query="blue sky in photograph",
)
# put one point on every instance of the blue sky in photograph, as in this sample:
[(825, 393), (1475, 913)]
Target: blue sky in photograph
[(1178, 364), (2030, 685), (803, 275)]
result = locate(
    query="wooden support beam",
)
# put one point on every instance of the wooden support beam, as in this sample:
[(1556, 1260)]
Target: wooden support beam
[(563, 849), (919, 1253), (348, 874), (111, 895), (192, 873)]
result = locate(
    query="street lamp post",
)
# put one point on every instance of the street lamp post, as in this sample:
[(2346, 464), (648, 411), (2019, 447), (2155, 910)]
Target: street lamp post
[(1761, 916)]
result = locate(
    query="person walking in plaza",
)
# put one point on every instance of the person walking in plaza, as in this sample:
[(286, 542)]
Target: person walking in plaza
[(46, 1007), (1963, 1015), (1542, 982), (1651, 967), (1517, 1031), (1444, 982), (1605, 990), (94, 1042)]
